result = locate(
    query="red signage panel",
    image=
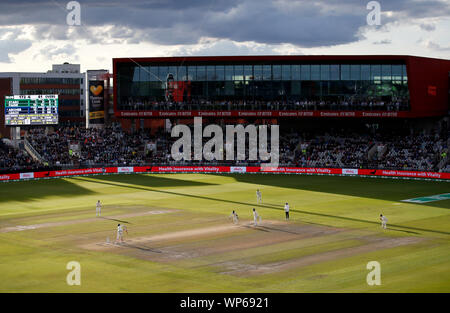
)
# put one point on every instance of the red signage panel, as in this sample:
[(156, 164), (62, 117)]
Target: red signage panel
[(267, 114)]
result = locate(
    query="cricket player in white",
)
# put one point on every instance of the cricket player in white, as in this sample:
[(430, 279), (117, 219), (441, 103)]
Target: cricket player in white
[(235, 217), (286, 211), (98, 208), (258, 196), (256, 217), (383, 221), (120, 230)]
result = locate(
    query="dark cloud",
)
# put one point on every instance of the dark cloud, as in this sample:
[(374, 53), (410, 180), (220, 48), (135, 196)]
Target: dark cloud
[(303, 23), (435, 46), (8, 47), (11, 44), (51, 51), (428, 27)]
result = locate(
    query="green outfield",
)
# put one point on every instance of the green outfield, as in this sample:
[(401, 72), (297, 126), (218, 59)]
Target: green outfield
[(180, 238)]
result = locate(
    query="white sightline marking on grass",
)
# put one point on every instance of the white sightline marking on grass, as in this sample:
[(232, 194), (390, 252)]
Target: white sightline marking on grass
[(87, 220), (444, 196)]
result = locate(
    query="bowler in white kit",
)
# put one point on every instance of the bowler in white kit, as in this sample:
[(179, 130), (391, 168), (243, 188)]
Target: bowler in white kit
[(383, 220)]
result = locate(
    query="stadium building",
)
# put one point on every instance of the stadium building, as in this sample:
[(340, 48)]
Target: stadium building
[(72, 88), (279, 86), (64, 80)]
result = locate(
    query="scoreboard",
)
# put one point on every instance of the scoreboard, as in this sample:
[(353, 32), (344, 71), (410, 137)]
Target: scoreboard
[(31, 110)]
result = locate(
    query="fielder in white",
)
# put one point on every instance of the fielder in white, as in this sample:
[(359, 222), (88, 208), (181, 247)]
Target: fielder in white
[(258, 196), (234, 217), (98, 208), (286, 211), (383, 220), (256, 217)]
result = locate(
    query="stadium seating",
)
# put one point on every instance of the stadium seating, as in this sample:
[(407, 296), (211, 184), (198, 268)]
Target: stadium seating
[(71, 146), (15, 159)]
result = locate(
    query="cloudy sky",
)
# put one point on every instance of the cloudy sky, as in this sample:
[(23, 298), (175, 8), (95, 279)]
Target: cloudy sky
[(34, 34)]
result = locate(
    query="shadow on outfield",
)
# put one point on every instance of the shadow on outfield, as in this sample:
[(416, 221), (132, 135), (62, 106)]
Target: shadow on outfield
[(267, 206), (116, 220), (145, 180), (374, 188), (24, 191)]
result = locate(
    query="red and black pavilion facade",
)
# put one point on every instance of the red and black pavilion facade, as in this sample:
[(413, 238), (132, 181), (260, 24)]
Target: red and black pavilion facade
[(358, 86)]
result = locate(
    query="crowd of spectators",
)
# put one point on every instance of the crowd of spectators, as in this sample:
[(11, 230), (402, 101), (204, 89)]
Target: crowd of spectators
[(14, 159), (53, 147), (72, 146), (422, 152), (337, 150)]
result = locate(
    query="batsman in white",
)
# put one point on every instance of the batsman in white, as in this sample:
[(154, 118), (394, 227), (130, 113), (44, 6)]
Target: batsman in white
[(98, 208), (120, 230), (256, 217), (235, 217), (383, 220), (258, 196)]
